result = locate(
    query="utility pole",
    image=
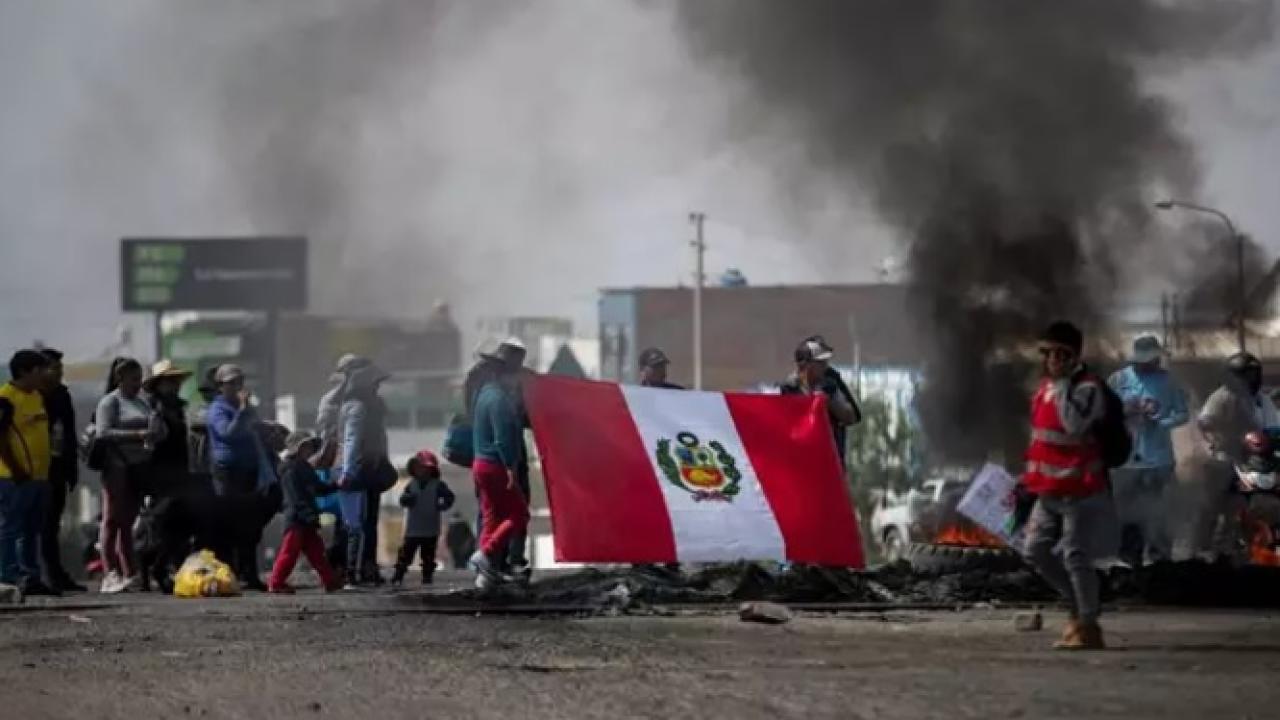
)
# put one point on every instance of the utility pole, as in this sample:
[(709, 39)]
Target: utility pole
[(699, 250), (1234, 235), (1164, 320)]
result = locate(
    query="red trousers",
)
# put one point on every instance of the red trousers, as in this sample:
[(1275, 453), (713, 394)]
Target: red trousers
[(503, 508), (305, 540)]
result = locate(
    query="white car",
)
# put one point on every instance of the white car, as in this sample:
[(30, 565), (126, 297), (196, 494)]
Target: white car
[(900, 520)]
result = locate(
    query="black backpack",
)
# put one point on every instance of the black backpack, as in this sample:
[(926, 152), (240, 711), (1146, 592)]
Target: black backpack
[(1111, 430)]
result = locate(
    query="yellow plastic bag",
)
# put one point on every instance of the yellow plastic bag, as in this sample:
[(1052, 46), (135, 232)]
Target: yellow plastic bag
[(204, 575)]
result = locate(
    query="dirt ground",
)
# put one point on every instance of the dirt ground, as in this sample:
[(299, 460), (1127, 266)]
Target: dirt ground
[(315, 655)]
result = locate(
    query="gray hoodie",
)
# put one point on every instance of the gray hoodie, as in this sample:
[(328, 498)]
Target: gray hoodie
[(423, 501), (363, 422), (328, 414)]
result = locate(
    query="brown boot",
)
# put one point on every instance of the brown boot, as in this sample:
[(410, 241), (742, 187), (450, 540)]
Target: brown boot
[(1087, 636)]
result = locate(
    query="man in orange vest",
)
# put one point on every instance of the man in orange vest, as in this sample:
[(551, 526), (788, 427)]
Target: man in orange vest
[(1066, 471)]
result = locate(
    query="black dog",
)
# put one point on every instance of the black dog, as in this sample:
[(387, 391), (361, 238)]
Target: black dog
[(171, 527)]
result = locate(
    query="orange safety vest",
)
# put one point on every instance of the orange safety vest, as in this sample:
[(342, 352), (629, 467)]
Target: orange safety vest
[(1058, 463)]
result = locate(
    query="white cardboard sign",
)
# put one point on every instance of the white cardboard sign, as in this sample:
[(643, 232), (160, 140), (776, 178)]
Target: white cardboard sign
[(990, 503)]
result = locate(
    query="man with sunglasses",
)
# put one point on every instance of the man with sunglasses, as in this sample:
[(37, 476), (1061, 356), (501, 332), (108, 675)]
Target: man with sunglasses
[(1066, 471)]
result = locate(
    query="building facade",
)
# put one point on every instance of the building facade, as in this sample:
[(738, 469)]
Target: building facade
[(750, 332)]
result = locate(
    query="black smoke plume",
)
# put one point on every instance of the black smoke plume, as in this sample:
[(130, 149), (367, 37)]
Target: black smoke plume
[(1014, 145)]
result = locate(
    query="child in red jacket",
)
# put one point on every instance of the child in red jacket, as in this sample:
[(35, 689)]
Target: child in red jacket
[(301, 486)]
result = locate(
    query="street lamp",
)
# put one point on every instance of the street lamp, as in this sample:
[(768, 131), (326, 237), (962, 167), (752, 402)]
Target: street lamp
[(1231, 228)]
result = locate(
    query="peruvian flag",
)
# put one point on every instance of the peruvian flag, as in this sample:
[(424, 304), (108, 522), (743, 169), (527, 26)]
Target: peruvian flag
[(643, 475)]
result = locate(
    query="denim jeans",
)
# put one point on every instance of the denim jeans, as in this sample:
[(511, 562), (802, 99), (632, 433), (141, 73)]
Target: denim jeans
[(22, 509), (1143, 504), (353, 505), (1064, 536)]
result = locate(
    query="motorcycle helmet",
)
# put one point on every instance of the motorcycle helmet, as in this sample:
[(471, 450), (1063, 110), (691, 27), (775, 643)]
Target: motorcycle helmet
[(1247, 370), (1243, 362)]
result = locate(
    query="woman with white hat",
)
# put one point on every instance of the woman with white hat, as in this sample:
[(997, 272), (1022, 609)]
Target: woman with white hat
[(169, 462)]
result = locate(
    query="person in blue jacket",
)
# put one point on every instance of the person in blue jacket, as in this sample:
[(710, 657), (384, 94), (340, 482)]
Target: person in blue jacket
[(1154, 405), (497, 434)]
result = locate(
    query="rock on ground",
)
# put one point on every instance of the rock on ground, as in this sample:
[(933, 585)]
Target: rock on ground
[(764, 612)]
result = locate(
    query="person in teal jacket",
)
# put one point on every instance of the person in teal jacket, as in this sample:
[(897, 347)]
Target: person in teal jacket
[(1154, 405), (497, 434)]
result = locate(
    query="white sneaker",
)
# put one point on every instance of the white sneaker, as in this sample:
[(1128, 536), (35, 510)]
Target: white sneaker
[(111, 583), (131, 584), (486, 578)]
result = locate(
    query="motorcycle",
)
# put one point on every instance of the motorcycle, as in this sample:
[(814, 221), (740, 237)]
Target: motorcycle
[(1258, 470), (1258, 482)]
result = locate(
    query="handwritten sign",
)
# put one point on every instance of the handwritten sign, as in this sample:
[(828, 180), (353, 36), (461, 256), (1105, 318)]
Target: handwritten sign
[(990, 503)]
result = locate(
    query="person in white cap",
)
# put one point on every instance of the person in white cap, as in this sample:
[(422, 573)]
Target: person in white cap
[(814, 375), (1154, 405)]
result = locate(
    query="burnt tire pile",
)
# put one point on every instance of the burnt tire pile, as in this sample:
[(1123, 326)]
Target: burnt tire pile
[(934, 576), (932, 560)]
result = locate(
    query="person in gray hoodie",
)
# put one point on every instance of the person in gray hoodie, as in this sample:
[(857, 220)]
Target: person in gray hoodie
[(330, 410), (366, 470), (424, 498)]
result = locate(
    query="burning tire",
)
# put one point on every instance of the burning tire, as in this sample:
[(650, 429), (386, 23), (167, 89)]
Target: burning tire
[(928, 559)]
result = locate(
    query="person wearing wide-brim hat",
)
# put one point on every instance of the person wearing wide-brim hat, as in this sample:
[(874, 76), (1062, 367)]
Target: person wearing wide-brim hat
[(165, 372), (170, 458), (510, 352), (505, 365), (506, 359), (1154, 406)]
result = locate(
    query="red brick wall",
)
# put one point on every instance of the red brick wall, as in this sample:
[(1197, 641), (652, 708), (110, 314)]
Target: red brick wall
[(750, 333)]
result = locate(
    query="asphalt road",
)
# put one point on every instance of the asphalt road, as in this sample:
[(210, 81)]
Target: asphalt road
[(369, 655)]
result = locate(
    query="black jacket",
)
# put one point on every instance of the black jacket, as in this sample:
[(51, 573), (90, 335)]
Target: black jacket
[(60, 408), (301, 487), (172, 450), (832, 384)]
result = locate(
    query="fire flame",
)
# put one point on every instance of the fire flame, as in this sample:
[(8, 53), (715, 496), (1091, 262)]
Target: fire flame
[(1261, 543), (967, 535)]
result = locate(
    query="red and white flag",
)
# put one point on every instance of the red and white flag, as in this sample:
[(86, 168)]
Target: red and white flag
[(642, 475)]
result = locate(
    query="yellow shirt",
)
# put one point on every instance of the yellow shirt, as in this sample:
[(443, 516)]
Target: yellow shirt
[(28, 433)]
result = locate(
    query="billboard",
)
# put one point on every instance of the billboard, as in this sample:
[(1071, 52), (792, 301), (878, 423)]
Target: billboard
[(260, 273)]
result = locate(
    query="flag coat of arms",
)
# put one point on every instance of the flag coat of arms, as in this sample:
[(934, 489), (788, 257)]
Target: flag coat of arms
[(646, 475)]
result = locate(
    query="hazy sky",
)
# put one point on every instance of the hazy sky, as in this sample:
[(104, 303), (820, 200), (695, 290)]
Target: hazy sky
[(508, 157)]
